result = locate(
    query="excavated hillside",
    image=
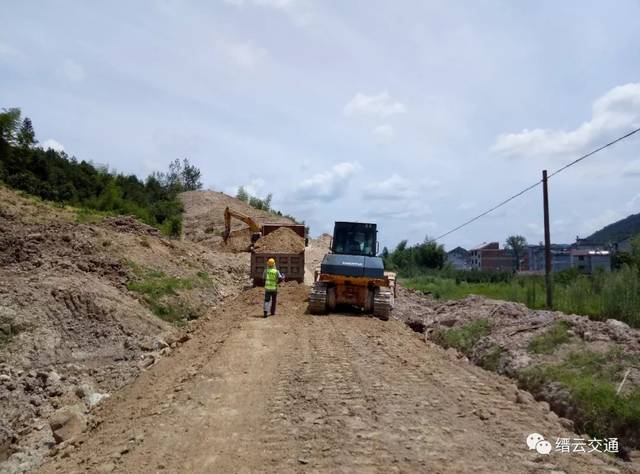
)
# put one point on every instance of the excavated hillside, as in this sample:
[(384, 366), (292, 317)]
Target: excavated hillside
[(204, 217), (86, 303)]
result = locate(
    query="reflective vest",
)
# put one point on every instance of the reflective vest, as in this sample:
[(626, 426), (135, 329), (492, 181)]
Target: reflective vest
[(271, 279)]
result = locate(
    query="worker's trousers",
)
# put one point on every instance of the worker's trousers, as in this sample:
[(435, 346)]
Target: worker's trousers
[(270, 297)]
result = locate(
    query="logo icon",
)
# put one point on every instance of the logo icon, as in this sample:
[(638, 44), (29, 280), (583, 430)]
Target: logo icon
[(536, 441)]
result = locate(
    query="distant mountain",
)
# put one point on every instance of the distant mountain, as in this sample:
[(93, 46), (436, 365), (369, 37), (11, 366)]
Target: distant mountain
[(618, 230)]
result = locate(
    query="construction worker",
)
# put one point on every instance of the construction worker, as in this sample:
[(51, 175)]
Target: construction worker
[(272, 277)]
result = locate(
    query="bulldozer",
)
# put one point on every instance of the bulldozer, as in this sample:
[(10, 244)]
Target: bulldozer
[(352, 273), (256, 229)]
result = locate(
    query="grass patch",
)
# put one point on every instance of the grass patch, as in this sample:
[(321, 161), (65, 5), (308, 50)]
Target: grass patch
[(614, 294), (592, 380), (465, 337), (491, 361), (160, 292), (546, 343), (90, 216)]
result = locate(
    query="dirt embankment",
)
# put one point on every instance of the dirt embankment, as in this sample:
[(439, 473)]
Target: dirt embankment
[(81, 314), (548, 352), (313, 255), (204, 217)]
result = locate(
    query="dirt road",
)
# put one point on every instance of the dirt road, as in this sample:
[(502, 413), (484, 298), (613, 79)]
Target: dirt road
[(297, 393)]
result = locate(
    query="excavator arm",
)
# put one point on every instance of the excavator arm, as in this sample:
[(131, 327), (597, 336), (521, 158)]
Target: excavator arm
[(229, 213)]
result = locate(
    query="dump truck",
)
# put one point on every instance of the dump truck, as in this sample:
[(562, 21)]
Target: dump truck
[(352, 274), (286, 244), (287, 248)]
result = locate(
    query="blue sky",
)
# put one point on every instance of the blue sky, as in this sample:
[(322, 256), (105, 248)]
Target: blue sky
[(416, 115)]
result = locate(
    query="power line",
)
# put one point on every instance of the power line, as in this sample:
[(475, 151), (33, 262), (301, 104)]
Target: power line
[(466, 223), (594, 152)]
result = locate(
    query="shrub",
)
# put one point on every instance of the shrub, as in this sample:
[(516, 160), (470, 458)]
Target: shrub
[(172, 227), (546, 343), (465, 337)]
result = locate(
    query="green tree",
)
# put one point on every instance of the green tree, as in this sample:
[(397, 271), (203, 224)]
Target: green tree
[(429, 254), (190, 176), (517, 244), (26, 136), (9, 123), (242, 194)]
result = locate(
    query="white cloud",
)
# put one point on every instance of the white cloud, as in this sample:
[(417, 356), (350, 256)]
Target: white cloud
[(383, 134), (72, 71), (262, 3), (613, 114), (245, 55), (466, 206), (52, 144), (634, 204), (380, 105), (328, 185), (393, 188), (632, 169), (597, 222), (298, 11), (411, 209), (255, 187), (397, 188), (8, 50)]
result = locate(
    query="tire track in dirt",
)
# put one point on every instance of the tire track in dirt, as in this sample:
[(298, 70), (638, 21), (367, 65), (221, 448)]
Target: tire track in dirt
[(297, 393)]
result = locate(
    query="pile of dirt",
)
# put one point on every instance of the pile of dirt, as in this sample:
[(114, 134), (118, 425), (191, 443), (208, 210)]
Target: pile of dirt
[(506, 338), (313, 255), (73, 329), (282, 240)]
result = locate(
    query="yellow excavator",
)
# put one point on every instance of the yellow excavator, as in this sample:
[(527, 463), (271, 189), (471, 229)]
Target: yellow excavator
[(256, 229)]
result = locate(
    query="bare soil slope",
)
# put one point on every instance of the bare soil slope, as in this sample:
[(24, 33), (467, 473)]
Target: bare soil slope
[(297, 393), (204, 215), (71, 330)]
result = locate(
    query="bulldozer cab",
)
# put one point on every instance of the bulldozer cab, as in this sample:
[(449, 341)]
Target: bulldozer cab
[(354, 238)]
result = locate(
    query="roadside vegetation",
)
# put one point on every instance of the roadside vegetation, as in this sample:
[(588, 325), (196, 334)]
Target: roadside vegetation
[(160, 291), (592, 380), (465, 337), (548, 342), (95, 190), (605, 295)]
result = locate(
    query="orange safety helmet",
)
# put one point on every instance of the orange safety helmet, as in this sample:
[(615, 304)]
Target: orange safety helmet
[(271, 262)]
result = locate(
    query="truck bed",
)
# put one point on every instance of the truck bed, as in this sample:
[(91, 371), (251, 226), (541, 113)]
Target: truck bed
[(290, 264)]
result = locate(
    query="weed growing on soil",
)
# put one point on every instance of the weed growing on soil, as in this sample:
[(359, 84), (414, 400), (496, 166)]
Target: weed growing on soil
[(465, 337), (90, 216), (614, 294), (491, 361), (160, 290), (546, 343), (592, 380)]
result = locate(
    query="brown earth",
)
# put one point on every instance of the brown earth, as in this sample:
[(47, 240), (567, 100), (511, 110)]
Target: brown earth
[(204, 216), (313, 255), (512, 328), (298, 393), (71, 332), (282, 240), (92, 381)]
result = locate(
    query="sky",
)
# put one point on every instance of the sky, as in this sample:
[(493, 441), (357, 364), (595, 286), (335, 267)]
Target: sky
[(416, 115)]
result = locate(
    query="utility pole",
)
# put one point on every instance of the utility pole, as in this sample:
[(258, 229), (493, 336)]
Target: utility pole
[(547, 241)]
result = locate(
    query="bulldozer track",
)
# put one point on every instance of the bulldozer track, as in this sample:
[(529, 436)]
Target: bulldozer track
[(318, 298), (382, 303), (294, 393)]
